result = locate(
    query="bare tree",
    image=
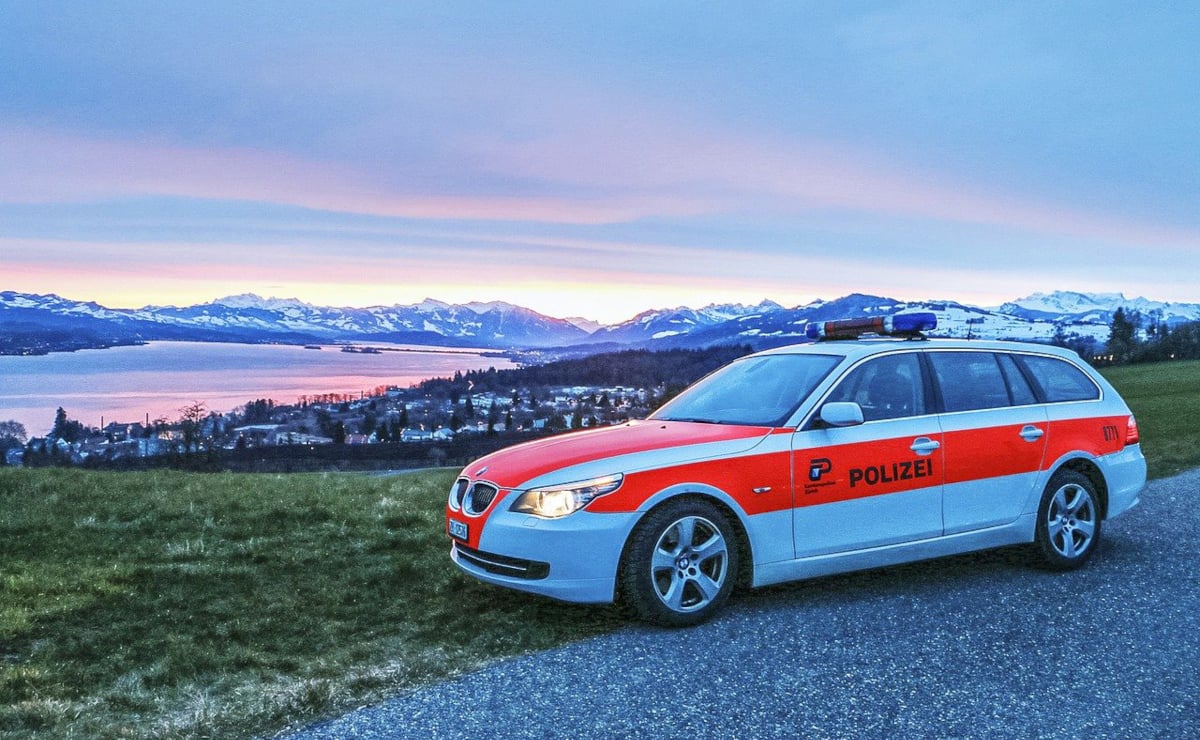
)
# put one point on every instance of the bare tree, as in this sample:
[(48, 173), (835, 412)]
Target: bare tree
[(12, 436), (191, 423), (13, 430)]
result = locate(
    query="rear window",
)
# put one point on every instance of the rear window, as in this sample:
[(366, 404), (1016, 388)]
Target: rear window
[(1059, 380)]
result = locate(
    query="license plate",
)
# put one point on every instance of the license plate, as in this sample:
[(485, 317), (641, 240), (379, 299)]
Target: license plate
[(458, 529)]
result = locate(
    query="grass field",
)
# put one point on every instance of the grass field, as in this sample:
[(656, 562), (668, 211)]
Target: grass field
[(164, 604), (1165, 398), (189, 605)]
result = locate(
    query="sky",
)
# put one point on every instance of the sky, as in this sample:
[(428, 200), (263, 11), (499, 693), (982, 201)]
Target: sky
[(598, 159)]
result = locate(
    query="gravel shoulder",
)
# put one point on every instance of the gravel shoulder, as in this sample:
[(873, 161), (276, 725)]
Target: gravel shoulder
[(980, 645)]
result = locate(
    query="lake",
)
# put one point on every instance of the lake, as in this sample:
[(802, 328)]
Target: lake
[(128, 384)]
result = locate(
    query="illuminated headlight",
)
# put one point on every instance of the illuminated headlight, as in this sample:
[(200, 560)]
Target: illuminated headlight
[(552, 502)]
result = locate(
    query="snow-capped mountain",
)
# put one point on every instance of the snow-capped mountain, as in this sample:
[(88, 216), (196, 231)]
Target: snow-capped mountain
[(786, 326), (670, 322), (39, 323), (588, 325), (494, 324), (1066, 306), (251, 318)]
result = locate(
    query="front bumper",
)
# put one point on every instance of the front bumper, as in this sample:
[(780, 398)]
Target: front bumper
[(574, 558)]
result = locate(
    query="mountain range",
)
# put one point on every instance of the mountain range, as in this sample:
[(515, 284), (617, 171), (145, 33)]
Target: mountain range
[(33, 323)]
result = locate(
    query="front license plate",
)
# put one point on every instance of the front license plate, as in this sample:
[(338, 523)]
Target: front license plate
[(458, 529)]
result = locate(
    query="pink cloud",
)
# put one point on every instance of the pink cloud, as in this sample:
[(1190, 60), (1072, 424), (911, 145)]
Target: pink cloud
[(49, 167), (596, 165)]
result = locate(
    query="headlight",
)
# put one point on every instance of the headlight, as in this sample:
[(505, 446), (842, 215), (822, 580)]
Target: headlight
[(457, 493), (552, 502)]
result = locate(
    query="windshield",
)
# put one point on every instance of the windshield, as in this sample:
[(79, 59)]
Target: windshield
[(756, 391)]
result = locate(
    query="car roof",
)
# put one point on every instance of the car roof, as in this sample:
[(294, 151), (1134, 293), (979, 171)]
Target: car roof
[(858, 348)]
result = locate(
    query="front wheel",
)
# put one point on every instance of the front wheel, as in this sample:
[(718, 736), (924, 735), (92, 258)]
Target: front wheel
[(681, 564), (1068, 521)]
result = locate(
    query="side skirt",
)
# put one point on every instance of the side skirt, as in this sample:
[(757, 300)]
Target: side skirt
[(1013, 533)]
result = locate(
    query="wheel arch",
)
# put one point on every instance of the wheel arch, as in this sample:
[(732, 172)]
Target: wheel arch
[(1092, 472), (719, 499)]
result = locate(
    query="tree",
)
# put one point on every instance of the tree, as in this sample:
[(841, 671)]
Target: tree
[(259, 412), (65, 428), (191, 425), (1122, 340), (339, 433), (14, 430), (12, 437)]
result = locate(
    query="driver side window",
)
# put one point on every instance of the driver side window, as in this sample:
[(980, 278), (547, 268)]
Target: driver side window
[(888, 387)]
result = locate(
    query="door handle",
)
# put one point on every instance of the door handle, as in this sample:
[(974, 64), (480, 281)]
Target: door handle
[(1030, 433), (924, 445)]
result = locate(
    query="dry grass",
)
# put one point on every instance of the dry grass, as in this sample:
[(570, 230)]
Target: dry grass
[(190, 605)]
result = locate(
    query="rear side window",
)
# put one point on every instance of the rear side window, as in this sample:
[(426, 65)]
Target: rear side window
[(1059, 380), (969, 380), (1018, 387)]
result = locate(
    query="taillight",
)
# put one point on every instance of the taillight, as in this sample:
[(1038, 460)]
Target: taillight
[(1131, 431)]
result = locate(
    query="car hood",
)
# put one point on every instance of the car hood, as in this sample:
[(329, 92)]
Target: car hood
[(606, 450)]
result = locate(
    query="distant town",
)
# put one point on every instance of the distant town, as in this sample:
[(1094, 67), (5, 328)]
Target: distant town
[(432, 423)]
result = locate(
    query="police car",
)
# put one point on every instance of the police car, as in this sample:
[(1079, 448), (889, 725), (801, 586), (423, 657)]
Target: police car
[(850, 452)]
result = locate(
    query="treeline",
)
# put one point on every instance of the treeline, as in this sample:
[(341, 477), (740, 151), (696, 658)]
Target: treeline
[(635, 368), (1136, 338), (303, 458), (21, 339)]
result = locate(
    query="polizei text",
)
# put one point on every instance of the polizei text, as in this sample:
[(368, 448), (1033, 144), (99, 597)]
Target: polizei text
[(873, 475)]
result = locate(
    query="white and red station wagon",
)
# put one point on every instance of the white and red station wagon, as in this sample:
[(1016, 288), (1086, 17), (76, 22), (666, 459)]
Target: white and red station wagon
[(805, 461)]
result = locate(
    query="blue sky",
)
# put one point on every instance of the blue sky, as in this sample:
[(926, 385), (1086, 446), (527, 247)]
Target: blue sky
[(598, 159)]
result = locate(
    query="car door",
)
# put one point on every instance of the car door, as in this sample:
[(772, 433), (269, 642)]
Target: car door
[(994, 434), (876, 483)]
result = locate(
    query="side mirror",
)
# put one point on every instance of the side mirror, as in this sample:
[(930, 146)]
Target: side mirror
[(842, 414)]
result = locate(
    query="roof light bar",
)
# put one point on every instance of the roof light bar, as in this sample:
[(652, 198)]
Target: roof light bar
[(902, 325)]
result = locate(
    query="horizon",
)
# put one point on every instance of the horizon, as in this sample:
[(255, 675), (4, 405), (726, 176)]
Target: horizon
[(654, 309), (576, 160)]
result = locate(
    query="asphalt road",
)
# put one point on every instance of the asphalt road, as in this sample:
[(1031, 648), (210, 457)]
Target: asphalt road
[(982, 645)]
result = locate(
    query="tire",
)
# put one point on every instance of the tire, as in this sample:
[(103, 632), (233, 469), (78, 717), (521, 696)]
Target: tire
[(1068, 525), (681, 564)]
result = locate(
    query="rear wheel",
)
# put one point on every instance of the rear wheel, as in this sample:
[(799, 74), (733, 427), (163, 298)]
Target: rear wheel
[(1068, 521), (681, 563)]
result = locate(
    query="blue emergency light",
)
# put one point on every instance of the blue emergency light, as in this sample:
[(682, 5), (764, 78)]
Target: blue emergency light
[(900, 325)]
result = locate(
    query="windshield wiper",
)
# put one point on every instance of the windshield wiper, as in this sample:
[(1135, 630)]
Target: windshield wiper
[(694, 420)]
